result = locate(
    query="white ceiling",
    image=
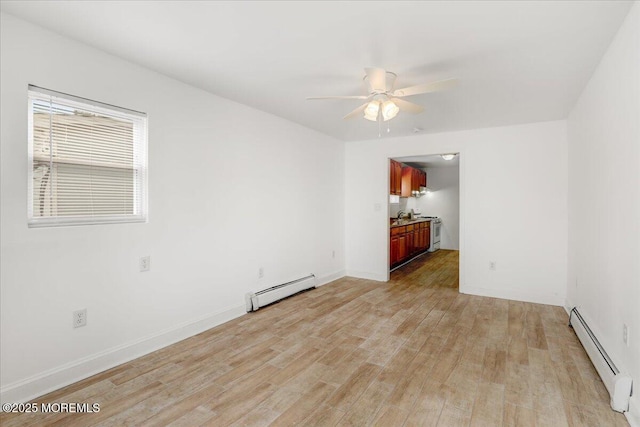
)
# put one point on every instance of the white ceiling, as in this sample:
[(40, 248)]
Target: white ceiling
[(517, 62)]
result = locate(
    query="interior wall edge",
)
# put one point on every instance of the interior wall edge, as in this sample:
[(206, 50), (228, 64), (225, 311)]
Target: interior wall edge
[(367, 275), (536, 298)]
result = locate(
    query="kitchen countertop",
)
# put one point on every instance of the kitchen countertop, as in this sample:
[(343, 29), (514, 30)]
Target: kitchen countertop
[(399, 223)]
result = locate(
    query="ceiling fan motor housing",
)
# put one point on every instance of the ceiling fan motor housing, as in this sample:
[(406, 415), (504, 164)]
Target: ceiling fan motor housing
[(390, 80)]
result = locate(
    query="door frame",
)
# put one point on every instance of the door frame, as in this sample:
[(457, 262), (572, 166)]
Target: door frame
[(461, 219)]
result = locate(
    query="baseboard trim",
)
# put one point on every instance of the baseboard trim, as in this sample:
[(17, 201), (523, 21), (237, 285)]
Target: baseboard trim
[(48, 381), (367, 275), (330, 278), (513, 295)]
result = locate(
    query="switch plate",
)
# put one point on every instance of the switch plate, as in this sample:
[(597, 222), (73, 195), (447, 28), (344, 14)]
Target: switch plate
[(260, 272), (145, 263), (625, 334)]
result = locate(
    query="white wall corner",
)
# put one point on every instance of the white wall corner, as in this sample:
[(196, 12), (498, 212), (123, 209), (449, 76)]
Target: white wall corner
[(321, 281), (568, 306), (48, 381)]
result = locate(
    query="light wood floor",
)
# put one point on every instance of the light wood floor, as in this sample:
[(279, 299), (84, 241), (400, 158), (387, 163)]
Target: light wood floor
[(355, 352)]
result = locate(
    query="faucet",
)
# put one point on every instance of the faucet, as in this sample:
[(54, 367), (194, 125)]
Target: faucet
[(400, 214)]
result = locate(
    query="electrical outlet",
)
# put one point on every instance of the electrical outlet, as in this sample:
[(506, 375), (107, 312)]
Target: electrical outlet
[(80, 318), (492, 265), (145, 263), (625, 334), (260, 272)]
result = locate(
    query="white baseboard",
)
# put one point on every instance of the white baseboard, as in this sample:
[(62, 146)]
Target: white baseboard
[(320, 281), (514, 295), (633, 415), (46, 382), (367, 275)]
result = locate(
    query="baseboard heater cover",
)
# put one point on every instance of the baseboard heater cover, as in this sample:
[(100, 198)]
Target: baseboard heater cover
[(618, 385), (275, 293)]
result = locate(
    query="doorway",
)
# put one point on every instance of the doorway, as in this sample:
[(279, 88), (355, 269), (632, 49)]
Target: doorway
[(439, 201)]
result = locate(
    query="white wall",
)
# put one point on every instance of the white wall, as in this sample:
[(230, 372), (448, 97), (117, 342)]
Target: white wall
[(513, 184), (604, 199), (231, 189), (444, 202), (405, 205)]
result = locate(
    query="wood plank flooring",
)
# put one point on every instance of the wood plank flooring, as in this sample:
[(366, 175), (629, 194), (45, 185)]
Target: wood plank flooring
[(410, 352)]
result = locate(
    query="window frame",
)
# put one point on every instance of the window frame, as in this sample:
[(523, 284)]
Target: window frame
[(140, 164)]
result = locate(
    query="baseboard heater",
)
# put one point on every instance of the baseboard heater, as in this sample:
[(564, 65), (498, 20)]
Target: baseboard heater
[(275, 293), (618, 384)]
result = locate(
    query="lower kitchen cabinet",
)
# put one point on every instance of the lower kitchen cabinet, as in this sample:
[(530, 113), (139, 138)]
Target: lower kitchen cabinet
[(408, 241), (402, 247)]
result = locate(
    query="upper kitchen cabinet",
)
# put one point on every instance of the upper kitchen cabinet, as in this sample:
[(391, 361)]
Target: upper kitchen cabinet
[(395, 178), (412, 180)]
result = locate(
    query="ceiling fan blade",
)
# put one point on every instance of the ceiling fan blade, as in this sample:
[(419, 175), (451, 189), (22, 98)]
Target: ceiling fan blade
[(356, 112), (377, 79), (426, 87), (337, 97), (407, 106)]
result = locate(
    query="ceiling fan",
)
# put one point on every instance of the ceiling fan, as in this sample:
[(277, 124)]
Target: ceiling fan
[(383, 102)]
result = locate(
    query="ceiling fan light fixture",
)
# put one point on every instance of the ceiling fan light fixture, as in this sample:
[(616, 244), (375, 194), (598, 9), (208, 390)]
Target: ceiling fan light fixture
[(371, 111), (389, 110), (448, 156)]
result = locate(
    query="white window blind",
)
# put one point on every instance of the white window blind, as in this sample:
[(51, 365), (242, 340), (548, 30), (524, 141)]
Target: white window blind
[(87, 161)]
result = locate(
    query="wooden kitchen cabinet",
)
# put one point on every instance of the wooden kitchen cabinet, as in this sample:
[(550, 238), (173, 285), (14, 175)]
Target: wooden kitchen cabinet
[(427, 244), (411, 240), (407, 181), (408, 241), (395, 178), (419, 237), (402, 247), (425, 235), (412, 180), (393, 255)]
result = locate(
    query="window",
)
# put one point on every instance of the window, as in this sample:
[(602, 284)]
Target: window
[(87, 161)]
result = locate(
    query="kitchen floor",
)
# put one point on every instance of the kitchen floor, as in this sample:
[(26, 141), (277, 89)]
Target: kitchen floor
[(412, 351), (437, 269)]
